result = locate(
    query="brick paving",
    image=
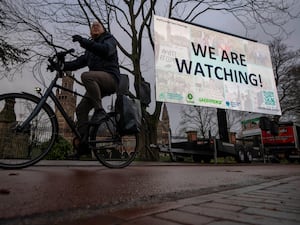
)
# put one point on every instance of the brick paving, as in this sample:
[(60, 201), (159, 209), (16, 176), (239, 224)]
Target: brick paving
[(86, 194), (271, 203)]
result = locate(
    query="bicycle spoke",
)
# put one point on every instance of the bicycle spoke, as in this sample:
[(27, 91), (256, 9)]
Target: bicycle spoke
[(111, 149), (23, 147)]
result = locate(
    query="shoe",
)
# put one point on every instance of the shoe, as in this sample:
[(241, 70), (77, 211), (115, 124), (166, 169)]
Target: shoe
[(82, 149), (77, 155), (98, 117), (74, 156)]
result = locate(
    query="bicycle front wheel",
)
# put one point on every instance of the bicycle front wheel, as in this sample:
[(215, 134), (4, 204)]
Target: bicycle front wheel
[(110, 148), (20, 148)]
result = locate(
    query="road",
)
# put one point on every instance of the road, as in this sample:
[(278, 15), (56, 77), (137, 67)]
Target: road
[(54, 192)]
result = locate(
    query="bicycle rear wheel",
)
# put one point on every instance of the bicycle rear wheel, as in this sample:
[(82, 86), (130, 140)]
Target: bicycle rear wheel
[(20, 148), (110, 148)]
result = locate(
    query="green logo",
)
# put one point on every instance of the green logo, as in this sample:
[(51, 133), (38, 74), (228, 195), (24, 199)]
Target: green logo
[(210, 101), (190, 98)]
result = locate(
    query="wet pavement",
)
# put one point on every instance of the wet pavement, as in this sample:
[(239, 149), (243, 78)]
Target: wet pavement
[(85, 193)]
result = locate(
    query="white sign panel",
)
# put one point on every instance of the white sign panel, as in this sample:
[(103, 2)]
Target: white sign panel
[(198, 66)]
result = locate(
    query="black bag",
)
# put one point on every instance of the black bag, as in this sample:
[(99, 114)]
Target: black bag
[(145, 93), (123, 87), (129, 109)]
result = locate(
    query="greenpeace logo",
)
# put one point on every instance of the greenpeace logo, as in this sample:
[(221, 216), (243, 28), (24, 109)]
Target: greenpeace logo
[(211, 101)]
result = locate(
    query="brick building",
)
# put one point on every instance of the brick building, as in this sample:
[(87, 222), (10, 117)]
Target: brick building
[(163, 127), (68, 101)]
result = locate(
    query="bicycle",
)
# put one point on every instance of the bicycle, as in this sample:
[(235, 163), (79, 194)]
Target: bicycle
[(29, 129)]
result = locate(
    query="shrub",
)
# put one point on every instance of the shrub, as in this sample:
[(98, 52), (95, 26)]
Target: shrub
[(61, 149)]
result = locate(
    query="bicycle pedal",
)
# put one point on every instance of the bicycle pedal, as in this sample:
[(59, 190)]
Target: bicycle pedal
[(75, 156)]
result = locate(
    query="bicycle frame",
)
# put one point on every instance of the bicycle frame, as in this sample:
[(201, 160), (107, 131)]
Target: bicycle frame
[(110, 147), (43, 100)]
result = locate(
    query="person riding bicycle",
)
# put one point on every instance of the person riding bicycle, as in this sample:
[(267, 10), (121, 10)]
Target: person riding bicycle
[(101, 80)]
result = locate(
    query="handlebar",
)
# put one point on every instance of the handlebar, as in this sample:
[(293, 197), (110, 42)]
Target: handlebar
[(64, 53), (57, 60)]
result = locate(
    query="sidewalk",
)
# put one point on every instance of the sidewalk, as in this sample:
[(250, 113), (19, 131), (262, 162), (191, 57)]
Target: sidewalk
[(272, 203), (86, 193)]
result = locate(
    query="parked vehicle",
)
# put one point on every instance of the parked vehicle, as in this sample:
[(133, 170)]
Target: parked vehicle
[(270, 140), (204, 149), (262, 140)]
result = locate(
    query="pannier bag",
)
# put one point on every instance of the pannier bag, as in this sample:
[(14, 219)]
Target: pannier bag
[(145, 93), (123, 87), (129, 109)]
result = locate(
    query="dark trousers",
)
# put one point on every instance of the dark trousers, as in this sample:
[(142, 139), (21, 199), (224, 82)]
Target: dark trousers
[(98, 84)]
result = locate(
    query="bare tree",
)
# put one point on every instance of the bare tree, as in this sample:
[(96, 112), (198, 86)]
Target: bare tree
[(137, 29), (234, 120), (46, 25), (286, 64), (28, 29), (204, 120), (9, 54), (200, 119), (293, 101), (269, 15)]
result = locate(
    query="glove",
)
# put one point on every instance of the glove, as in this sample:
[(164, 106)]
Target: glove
[(76, 38), (84, 43), (53, 66)]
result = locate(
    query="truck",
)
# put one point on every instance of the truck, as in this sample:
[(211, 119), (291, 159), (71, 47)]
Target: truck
[(271, 140), (261, 140), (204, 149)]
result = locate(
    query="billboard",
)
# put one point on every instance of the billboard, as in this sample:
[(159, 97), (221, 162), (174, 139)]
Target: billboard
[(200, 66)]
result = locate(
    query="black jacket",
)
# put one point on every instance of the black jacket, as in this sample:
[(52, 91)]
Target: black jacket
[(100, 55)]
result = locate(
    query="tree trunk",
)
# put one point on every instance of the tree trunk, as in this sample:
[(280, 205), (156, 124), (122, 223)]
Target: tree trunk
[(148, 136)]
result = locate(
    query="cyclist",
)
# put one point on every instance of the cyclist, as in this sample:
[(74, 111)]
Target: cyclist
[(101, 80)]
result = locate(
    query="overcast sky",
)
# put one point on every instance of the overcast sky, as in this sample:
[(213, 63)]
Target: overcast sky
[(217, 21)]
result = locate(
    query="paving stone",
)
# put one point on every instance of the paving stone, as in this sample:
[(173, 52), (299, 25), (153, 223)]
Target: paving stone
[(263, 205), (270, 195), (271, 203), (135, 212), (101, 219), (273, 213), (275, 196), (185, 218), (150, 221), (200, 199), (244, 199), (284, 203), (250, 188), (223, 206), (194, 200), (237, 216), (224, 222)]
